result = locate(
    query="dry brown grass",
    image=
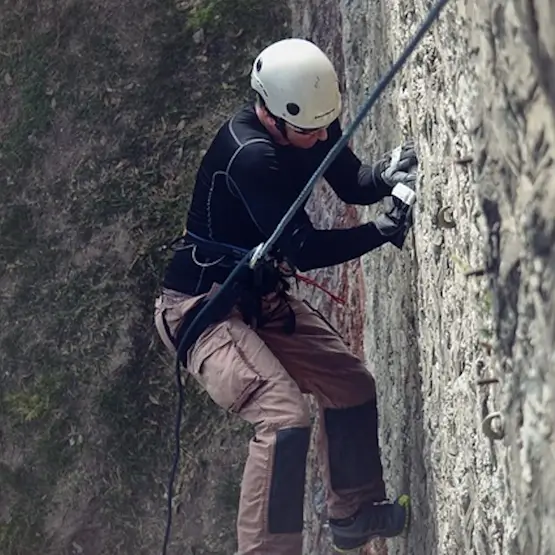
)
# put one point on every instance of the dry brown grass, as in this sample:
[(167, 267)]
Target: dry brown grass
[(106, 107)]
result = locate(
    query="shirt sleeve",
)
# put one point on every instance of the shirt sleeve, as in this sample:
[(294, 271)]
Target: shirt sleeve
[(352, 181), (257, 180)]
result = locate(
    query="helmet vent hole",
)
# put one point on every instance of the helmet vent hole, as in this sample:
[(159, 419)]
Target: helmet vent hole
[(259, 65), (293, 109)]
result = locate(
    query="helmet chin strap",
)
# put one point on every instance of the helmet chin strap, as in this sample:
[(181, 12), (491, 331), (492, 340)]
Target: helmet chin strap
[(279, 122), (280, 126)]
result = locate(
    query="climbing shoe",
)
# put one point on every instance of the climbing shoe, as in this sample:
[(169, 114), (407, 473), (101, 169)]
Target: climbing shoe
[(372, 520)]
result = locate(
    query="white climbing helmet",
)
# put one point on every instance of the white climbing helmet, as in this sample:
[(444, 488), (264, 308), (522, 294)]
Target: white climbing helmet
[(298, 83)]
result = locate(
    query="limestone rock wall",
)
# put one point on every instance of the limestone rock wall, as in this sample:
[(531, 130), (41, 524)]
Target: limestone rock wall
[(461, 323)]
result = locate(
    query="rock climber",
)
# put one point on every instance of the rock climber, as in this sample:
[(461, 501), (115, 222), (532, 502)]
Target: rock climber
[(271, 348)]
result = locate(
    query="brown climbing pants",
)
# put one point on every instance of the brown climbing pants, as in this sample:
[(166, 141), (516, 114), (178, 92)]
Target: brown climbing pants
[(261, 375)]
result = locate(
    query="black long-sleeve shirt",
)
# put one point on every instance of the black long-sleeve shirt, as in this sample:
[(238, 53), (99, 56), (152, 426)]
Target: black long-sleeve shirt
[(247, 182)]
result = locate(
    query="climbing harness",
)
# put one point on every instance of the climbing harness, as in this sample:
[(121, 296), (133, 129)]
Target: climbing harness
[(230, 255), (224, 253), (228, 294)]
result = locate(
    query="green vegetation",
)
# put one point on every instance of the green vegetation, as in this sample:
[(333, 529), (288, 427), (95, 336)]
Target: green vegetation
[(106, 108)]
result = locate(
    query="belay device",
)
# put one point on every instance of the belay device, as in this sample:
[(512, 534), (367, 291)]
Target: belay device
[(230, 291)]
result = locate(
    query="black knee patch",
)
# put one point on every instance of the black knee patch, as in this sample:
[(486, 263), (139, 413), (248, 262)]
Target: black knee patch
[(353, 448), (285, 510)]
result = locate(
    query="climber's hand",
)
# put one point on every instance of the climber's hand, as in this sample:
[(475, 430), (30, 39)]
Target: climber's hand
[(398, 166), (398, 217)]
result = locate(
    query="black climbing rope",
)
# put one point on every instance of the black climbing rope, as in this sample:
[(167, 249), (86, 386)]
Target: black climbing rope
[(433, 14), (223, 299), (225, 295)]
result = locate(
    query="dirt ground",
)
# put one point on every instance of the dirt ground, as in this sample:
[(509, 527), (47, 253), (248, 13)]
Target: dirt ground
[(450, 347)]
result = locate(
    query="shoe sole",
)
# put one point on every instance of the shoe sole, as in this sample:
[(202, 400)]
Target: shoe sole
[(403, 501)]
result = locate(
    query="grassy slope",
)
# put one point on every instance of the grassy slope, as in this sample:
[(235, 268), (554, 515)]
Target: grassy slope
[(106, 107)]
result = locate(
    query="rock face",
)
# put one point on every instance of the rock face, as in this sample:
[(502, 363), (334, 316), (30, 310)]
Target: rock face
[(461, 323)]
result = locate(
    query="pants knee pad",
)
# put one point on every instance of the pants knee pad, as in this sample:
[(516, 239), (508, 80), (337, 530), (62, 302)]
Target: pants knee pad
[(285, 507), (353, 448)]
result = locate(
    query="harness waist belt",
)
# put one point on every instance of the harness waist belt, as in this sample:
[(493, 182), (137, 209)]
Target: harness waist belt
[(213, 248)]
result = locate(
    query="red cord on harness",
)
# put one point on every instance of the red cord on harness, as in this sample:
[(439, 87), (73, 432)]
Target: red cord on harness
[(321, 287)]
